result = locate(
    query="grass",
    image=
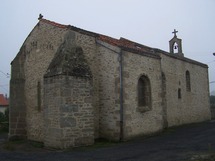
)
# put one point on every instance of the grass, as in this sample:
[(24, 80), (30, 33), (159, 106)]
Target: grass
[(4, 127)]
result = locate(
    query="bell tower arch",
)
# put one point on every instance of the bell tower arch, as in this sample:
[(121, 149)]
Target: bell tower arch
[(175, 45)]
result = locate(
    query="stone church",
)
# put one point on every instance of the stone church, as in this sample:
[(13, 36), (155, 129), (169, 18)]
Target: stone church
[(70, 86)]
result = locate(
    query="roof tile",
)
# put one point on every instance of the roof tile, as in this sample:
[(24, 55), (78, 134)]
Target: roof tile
[(54, 23), (3, 101)]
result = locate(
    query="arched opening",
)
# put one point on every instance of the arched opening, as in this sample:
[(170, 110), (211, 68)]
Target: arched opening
[(175, 47), (144, 94)]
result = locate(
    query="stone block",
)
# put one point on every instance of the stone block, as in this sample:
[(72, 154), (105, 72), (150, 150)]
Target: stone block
[(88, 130), (21, 125), (12, 125), (54, 133), (69, 108), (13, 119), (126, 74), (65, 92), (83, 141), (67, 122), (88, 100), (21, 132), (22, 120)]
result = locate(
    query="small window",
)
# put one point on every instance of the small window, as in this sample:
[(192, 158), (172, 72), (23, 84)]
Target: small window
[(188, 85), (38, 96), (163, 77), (144, 94), (179, 93)]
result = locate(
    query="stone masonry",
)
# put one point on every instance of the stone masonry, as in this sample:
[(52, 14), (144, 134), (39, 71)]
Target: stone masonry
[(70, 86), (68, 112)]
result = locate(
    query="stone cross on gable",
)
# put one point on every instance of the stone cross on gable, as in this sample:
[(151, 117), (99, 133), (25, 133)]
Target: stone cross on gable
[(174, 32)]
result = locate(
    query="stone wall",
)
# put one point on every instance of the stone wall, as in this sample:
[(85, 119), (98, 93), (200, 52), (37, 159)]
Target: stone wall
[(193, 106), (88, 45), (40, 47), (109, 89), (103, 62), (136, 122), (68, 113), (17, 126)]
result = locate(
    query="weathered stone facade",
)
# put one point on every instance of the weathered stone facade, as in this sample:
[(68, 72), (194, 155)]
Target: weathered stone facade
[(70, 86), (188, 108), (69, 117)]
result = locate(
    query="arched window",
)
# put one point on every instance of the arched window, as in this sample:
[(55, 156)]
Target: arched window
[(144, 94), (188, 85)]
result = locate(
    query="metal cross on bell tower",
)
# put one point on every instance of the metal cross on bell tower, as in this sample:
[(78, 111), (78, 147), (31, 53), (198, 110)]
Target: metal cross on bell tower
[(174, 32)]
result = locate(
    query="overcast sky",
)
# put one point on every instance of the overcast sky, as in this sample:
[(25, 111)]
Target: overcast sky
[(149, 22)]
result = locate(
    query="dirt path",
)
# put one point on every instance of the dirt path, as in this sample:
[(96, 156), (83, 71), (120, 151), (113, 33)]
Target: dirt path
[(175, 144)]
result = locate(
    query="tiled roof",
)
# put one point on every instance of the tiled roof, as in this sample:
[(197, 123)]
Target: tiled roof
[(122, 42), (126, 44), (54, 23), (3, 101), (109, 40)]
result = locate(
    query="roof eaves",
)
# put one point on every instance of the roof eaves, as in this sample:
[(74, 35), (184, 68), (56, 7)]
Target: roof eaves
[(143, 53), (181, 58), (109, 40), (82, 31)]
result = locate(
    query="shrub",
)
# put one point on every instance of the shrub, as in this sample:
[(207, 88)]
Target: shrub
[(2, 117), (212, 101), (4, 121)]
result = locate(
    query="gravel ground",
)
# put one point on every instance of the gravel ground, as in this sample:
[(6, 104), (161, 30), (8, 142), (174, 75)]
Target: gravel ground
[(175, 144)]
